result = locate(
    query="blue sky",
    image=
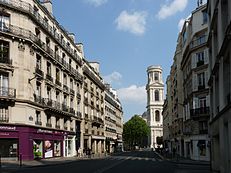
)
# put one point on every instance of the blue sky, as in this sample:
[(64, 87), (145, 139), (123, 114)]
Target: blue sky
[(125, 37)]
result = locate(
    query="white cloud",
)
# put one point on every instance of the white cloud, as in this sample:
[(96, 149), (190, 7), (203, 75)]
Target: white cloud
[(115, 77), (181, 24), (172, 8), (96, 3), (132, 94), (134, 22)]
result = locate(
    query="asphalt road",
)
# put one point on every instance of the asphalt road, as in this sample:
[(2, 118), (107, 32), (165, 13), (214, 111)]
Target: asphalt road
[(127, 162)]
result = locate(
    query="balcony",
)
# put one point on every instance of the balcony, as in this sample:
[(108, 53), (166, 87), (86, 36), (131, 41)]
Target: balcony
[(5, 60), (38, 123), (38, 99), (72, 111), (39, 72), (6, 92), (198, 41), (49, 78), (199, 112), (97, 121)]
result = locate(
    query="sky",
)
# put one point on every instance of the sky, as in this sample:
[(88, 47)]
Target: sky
[(125, 37)]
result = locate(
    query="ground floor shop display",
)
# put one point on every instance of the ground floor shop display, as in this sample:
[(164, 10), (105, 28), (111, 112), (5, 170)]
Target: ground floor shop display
[(31, 143)]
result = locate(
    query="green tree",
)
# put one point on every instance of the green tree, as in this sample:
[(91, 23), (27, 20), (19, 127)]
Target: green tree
[(135, 132)]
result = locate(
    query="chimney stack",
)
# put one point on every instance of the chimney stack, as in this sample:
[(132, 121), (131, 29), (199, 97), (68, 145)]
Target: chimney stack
[(48, 5)]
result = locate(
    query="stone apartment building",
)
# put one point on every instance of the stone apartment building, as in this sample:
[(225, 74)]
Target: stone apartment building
[(219, 12), (94, 135), (113, 121), (189, 110), (51, 98), (196, 99)]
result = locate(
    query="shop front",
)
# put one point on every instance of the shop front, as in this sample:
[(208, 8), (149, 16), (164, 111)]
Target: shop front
[(30, 143)]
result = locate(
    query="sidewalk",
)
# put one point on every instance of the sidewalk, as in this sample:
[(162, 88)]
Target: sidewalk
[(182, 160), (14, 165)]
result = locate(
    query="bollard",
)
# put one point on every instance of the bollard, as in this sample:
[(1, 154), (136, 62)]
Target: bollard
[(20, 160)]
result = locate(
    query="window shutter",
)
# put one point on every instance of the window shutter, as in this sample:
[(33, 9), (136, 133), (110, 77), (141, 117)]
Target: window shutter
[(206, 56), (193, 61)]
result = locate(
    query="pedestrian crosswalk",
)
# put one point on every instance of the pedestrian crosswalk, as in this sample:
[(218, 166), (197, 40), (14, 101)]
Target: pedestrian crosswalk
[(133, 158)]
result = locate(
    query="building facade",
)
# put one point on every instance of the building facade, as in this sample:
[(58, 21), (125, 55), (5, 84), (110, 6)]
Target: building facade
[(196, 99), (219, 12), (113, 121), (155, 101), (51, 98), (94, 133), (40, 83)]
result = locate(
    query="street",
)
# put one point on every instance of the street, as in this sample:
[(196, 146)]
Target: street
[(129, 162)]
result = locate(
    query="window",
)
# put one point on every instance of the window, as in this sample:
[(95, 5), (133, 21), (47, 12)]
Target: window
[(38, 61), (4, 114), (49, 119), (157, 97), (49, 68), (49, 93), (202, 147), (184, 37), (4, 21), (205, 17), (202, 102), (38, 89), (4, 52), (71, 103), (71, 84), (200, 56), (64, 79), (38, 118), (58, 96), (4, 81), (57, 75), (156, 76), (201, 79), (157, 116)]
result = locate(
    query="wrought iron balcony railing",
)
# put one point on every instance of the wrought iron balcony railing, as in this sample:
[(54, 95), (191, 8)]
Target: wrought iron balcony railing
[(7, 92)]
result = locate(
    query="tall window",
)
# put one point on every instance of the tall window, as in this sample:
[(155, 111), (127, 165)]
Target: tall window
[(4, 21), (38, 61), (205, 17), (49, 68), (38, 117), (201, 79), (200, 56), (4, 52), (157, 116), (157, 95), (202, 102), (49, 93), (38, 88), (4, 80), (57, 75)]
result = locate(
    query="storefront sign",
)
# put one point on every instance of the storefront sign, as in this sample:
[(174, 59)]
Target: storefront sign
[(43, 131), (11, 128)]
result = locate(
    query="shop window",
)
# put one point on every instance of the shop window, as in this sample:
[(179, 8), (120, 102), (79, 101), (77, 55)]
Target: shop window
[(48, 149), (9, 148), (57, 148), (202, 147), (37, 149)]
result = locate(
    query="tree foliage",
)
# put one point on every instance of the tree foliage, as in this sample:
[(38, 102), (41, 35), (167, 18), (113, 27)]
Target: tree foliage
[(135, 131)]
